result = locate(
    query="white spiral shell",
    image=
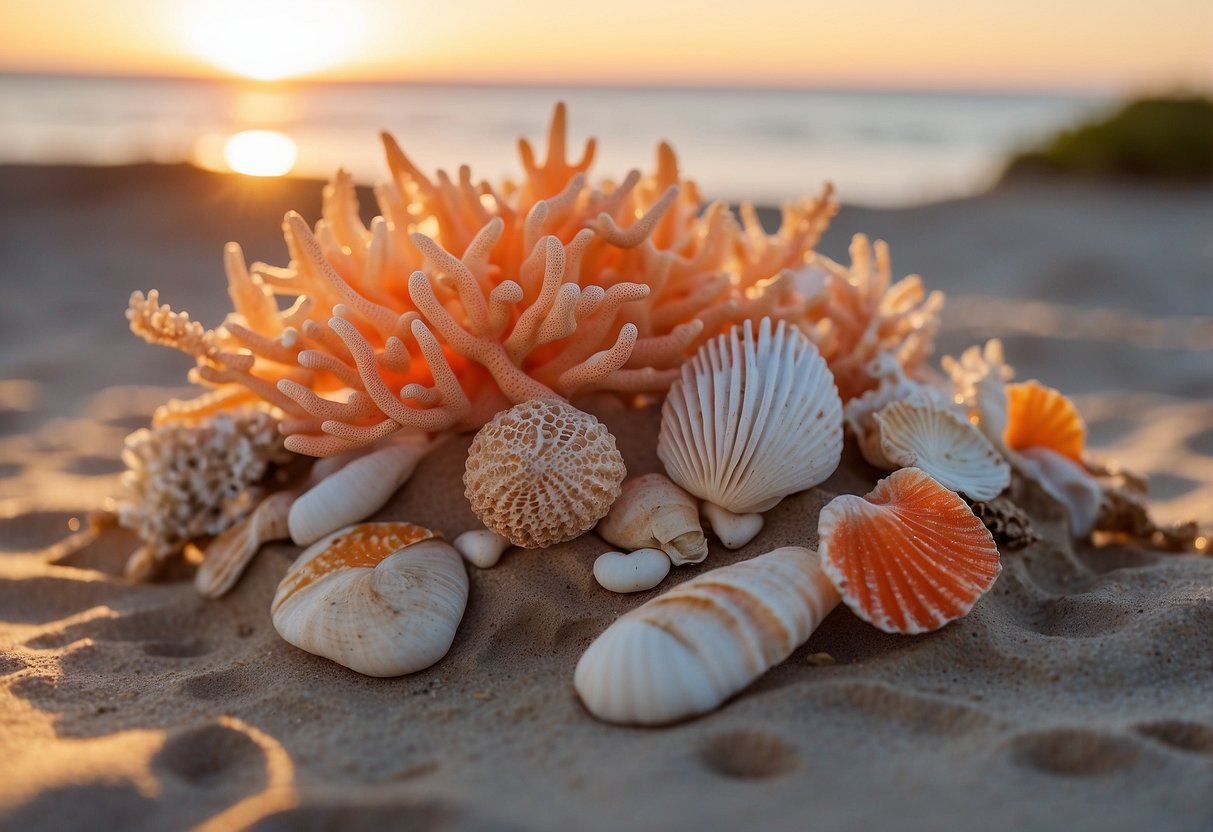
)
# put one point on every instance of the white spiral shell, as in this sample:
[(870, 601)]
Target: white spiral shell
[(918, 434), (752, 419), (687, 651)]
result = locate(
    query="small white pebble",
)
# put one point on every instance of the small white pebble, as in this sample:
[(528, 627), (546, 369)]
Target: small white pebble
[(641, 570), (481, 547)]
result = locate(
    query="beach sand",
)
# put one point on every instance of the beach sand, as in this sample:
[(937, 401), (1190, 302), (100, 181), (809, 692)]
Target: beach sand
[(1077, 695)]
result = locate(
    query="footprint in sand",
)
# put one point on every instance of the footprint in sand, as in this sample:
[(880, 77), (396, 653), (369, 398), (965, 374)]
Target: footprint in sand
[(749, 755), (211, 756), (1190, 737), (1075, 752)]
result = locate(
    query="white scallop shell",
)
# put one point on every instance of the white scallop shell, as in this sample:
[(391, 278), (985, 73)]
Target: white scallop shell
[(688, 650), (752, 419), (1067, 483), (654, 512), (398, 616), (952, 450), (635, 572), (357, 490)]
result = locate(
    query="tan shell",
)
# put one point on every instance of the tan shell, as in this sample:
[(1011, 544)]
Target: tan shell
[(383, 599), (754, 417), (542, 472), (688, 650), (654, 512), (230, 553)]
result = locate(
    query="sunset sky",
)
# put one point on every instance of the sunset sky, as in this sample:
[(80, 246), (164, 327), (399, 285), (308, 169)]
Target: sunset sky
[(1096, 45)]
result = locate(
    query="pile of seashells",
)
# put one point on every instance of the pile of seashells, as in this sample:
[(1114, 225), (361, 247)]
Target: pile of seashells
[(766, 353)]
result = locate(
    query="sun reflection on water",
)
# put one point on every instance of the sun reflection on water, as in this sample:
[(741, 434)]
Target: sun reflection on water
[(260, 153)]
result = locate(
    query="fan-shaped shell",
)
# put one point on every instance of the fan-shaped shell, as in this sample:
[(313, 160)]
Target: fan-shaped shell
[(542, 472), (688, 650), (953, 451), (1041, 417), (910, 556), (383, 599), (752, 419)]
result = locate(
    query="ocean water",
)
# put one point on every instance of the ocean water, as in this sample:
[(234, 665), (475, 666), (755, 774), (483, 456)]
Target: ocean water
[(879, 148)]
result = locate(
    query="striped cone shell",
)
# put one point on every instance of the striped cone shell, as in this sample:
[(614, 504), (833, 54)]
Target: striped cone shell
[(910, 556)]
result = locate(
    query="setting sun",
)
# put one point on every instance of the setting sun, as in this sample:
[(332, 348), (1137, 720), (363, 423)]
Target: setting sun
[(260, 153), (269, 40)]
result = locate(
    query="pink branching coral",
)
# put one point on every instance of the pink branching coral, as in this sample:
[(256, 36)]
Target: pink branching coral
[(463, 297), (861, 315)]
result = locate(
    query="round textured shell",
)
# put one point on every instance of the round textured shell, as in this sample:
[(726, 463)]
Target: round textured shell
[(950, 449), (910, 556), (1041, 417), (383, 599), (542, 472), (752, 419)]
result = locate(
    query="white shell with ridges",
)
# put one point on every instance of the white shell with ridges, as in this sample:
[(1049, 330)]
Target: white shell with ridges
[(687, 651), (953, 451), (754, 417), (357, 490), (654, 512), (383, 599), (635, 572)]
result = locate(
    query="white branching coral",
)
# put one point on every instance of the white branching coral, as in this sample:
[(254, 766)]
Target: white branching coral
[(184, 481), (464, 297)]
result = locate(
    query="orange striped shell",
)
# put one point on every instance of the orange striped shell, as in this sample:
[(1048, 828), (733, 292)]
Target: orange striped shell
[(1041, 417), (910, 556)]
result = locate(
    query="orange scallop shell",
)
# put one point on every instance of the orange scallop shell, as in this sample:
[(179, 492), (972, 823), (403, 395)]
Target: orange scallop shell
[(1041, 417), (910, 556)]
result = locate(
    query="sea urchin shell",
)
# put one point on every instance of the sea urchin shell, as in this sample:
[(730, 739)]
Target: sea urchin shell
[(910, 556), (542, 472)]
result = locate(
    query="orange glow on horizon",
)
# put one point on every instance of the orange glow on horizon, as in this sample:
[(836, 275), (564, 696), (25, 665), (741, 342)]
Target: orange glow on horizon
[(1106, 45)]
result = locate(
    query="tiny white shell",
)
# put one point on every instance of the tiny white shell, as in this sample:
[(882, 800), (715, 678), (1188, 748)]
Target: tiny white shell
[(383, 599), (1067, 483), (733, 530), (916, 434), (688, 650), (481, 547), (753, 418), (642, 569), (654, 512), (357, 490)]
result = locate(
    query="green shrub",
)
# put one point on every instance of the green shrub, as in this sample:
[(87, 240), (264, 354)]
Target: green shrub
[(1160, 138)]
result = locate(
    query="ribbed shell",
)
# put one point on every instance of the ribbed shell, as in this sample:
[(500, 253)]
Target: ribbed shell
[(383, 599), (1041, 417), (910, 556), (542, 472), (752, 419), (952, 450), (688, 650)]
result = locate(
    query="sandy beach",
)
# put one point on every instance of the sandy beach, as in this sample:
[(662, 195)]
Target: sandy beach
[(1077, 695)]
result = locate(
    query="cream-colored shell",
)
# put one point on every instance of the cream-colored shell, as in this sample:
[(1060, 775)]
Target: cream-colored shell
[(635, 572), (654, 512), (481, 547), (357, 490), (950, 449), (895, 386), (688, 650), (754, 417), (229, 554), (542, 472), (733, 530), (1067, 483), (383, 599)]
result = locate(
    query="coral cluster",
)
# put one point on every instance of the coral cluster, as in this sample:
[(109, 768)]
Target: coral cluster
[(465, 297), (188, 481)]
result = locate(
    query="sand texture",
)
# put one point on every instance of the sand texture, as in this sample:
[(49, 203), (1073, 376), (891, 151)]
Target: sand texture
[(1077, 695)]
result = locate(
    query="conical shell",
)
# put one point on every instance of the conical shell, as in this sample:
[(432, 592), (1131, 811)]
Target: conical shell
[(953, 451), (1066, 482), (230, 553), (910, 556), (688, 650), (634, 572), (542, 472), (357, 490), (1041, 417), (753, 418), (654, 512), (383, 599)]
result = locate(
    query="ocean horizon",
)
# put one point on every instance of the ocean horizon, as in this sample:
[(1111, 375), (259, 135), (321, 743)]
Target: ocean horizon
[(767, 145)]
